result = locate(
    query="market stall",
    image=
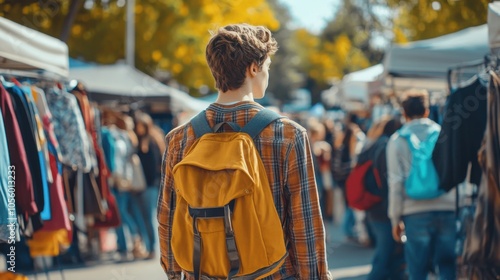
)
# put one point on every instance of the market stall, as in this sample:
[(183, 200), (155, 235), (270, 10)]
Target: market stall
[(123, 84), (23, 48), (31, 150), (360, 85), (426, 62)]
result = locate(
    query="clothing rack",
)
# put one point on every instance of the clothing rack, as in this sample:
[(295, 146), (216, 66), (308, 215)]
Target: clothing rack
[(492, 61), (458, 72), (41, 75)]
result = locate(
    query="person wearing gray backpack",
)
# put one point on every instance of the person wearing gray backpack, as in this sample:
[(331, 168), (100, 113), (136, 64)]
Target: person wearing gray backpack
[(422, 216)]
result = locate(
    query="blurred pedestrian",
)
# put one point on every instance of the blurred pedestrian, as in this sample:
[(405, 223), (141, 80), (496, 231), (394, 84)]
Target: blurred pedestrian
[(120, 144), (322, 152), (347, 147), (388, 260), (427, 223), (149, 153)]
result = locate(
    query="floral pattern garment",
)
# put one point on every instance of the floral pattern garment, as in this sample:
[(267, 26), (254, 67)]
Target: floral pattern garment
[(69, 129)]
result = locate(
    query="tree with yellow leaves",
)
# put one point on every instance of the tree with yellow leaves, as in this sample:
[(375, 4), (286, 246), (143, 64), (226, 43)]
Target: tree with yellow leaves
[(170, 35), (423, 19)]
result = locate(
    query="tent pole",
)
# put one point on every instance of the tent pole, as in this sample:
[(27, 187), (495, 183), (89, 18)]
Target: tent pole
[(130, 35)]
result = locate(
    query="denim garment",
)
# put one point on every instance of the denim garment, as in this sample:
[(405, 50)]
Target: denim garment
[(149, 202), (388, 261), (123, 200), (431, 239)]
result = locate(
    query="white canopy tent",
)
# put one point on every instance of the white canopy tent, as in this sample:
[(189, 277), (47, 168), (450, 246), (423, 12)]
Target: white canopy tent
[(433, 57), (121, 83), (22, 48), (361, 84)]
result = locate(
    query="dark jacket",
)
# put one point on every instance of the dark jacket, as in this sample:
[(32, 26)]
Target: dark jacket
[(461, 135), (151, 164)]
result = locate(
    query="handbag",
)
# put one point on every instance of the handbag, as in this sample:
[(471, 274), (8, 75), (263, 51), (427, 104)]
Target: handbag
[(92, 199), (138, 183)]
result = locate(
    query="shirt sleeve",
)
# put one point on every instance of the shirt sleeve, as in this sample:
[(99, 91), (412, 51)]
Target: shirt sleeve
[(305, 229), (396, 180), (165, 215)]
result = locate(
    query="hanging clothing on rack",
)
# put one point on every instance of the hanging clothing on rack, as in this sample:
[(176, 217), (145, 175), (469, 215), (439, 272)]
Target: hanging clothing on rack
[(112, 217), (56, 234), (493, 136), (461, 134), (69, 129), (92, 119), (48, 243), (7, 175), (27, 125), (45, 213), (25, 197), (481, 254), (97, 125), (108, 145), (46, 115), (123, 151), (89, 117), (40, 129), (60, 219)]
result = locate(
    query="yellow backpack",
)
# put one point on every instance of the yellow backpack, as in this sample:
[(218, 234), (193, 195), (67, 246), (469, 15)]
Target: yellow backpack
[(225, 223)]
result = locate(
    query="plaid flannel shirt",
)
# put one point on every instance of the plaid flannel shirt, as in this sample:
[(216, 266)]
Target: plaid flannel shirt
[(285, 152)]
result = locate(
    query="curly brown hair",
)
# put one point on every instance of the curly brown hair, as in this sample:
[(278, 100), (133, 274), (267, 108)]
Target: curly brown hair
[(233, 48)]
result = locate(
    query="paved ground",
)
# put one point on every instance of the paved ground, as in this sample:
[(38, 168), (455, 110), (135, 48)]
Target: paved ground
[(346, 261)]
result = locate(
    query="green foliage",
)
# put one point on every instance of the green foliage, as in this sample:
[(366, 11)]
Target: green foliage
[(342, 47), (170, 35), (417, 19)]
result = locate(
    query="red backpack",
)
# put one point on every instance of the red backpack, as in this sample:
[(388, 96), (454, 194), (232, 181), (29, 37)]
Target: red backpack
[(364, 184)]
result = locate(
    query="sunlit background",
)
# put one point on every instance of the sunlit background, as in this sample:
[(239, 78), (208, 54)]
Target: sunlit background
[(336, 58), (320, 40)]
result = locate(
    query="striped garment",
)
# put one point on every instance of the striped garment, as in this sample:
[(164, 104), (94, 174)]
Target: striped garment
[(285, 152)]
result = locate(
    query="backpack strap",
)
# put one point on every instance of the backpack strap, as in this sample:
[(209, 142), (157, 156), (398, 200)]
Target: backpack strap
[(416, 144), (260, 121), (232, 252), (200, 124)]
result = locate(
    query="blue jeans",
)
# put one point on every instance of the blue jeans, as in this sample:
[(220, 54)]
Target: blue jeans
[(123, 201), (135, 207), (388, 261), (149, 201), (348, 223), (431, 239)]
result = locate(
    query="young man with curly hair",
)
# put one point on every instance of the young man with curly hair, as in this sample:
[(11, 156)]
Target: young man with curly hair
[(239, 57)]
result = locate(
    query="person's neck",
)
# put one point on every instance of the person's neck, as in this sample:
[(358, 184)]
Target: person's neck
[(243, 93), (415, 119)]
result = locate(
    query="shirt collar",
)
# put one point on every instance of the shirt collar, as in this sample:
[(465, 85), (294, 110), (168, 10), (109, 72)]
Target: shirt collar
[(242, 105)]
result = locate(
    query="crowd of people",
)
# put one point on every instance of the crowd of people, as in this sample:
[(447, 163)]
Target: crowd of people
[(410, 236), (140, 145)]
